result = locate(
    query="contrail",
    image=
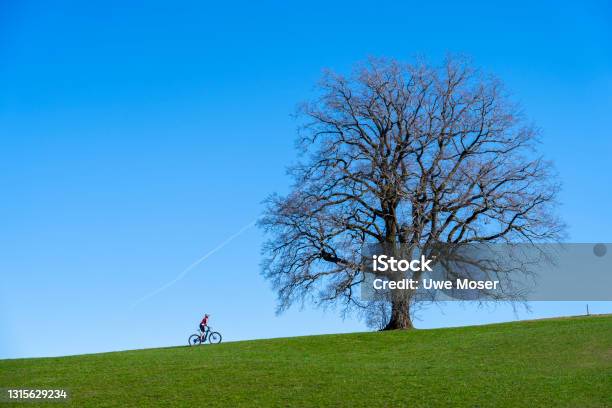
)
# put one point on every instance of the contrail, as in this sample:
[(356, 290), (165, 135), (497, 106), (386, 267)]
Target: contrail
[(196, 263)]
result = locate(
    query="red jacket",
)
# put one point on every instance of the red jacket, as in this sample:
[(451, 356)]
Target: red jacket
[(204, 321)]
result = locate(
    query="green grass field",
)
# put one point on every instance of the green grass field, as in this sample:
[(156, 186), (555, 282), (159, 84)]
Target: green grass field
[(552, 363)]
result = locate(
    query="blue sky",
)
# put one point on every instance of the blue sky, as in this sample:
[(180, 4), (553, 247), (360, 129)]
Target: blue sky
[(136, 138)]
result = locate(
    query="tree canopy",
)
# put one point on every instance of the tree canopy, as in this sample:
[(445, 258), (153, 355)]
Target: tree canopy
[(405, 153)]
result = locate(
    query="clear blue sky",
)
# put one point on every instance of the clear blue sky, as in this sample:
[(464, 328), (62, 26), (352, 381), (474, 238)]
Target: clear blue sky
[(135, 139)]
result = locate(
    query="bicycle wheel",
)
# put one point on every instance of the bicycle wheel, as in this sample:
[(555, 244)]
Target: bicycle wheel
[(194, 340), (214, 337)]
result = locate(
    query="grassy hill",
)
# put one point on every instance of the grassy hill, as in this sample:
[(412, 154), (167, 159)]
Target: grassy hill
[(559, 363)]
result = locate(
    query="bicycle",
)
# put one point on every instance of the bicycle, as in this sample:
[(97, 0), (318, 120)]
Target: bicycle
[(201, 337)]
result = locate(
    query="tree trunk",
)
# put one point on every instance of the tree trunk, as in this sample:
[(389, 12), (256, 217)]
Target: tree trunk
[(400, 315)]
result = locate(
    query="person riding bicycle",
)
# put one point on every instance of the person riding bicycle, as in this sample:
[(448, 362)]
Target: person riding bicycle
[(205, 334), (204, 324)]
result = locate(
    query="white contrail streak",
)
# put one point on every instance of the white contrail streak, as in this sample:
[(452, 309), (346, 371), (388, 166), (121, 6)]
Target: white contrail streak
[(196, 263)]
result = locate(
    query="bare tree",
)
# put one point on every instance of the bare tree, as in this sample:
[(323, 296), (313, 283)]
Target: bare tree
[(403, 154)]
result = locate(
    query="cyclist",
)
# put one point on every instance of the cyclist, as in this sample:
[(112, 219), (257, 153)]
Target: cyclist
[(204, 324)]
